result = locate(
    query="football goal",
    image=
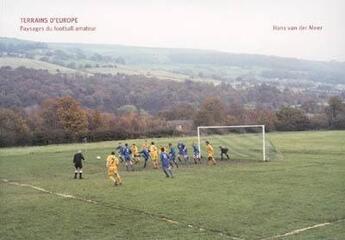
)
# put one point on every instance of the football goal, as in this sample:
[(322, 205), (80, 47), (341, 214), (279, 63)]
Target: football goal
[(241, 142)]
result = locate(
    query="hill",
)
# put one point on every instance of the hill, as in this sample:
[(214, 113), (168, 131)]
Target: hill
[(190, 63), (26, 87), (116, 79)]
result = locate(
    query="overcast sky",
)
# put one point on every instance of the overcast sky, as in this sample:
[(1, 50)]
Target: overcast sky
[(239, 26)]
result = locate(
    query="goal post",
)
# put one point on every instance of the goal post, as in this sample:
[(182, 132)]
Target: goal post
[(244, 140)]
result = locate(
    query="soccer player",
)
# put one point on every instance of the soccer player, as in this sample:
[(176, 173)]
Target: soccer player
[(180, 148), (120, 149), (135, 153), (172, 155), (145, 145), (127, 157), (185, 155), (77, 161), (154, 155), (210, 154), (182, 153), (166, 163), (224, 151), (113, 169), (196, 154), (146, 155)]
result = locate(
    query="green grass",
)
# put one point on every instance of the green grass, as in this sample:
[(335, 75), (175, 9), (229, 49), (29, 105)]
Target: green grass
[(249, 200)]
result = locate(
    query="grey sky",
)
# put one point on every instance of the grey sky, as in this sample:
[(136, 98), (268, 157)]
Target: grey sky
[(239, 26)]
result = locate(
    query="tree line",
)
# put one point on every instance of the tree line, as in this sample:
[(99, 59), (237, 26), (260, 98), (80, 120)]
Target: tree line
[(26, 88), (64, 120)]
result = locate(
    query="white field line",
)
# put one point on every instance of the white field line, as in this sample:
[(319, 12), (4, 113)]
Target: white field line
[(170, 220), (300, 230), (46, 191), (95, 202)]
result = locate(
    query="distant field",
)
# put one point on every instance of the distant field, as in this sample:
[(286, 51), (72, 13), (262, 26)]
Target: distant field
[(160, 72), (35, 64), (148, 71), (181, 72), (139, 70), (233, 200)]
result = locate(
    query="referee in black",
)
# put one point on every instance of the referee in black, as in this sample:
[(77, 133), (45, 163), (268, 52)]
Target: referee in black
[(78, 164)]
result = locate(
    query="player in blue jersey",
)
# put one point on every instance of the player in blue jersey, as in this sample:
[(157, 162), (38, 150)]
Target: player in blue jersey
[(185, 155), (196, 154), (165, 160), (127, 157), (119, 150), (172, 155), (182, 153), (145, 154), (180, 148)]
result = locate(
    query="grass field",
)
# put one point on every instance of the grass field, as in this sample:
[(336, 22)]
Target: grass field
[(233, 200)]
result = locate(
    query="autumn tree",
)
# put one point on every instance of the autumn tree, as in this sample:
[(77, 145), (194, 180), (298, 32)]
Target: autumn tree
[(95, 120), (211, 112), (336, 112), (49, 116), (261, 116), (184, 111), (71, 117), (290, 119), (13, 128)]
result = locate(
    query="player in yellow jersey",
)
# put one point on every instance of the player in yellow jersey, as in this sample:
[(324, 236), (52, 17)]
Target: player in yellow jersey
[(154, 155), (145, 145), (210, 154), (135, 153), (113, 169)]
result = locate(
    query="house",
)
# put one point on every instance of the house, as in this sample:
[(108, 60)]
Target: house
[(183, 126)]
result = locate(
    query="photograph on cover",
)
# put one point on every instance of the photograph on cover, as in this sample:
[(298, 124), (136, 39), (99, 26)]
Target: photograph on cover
[(157, 119)]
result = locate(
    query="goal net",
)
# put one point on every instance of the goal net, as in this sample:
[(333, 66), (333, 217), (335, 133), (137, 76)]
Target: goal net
[(243, 142)]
